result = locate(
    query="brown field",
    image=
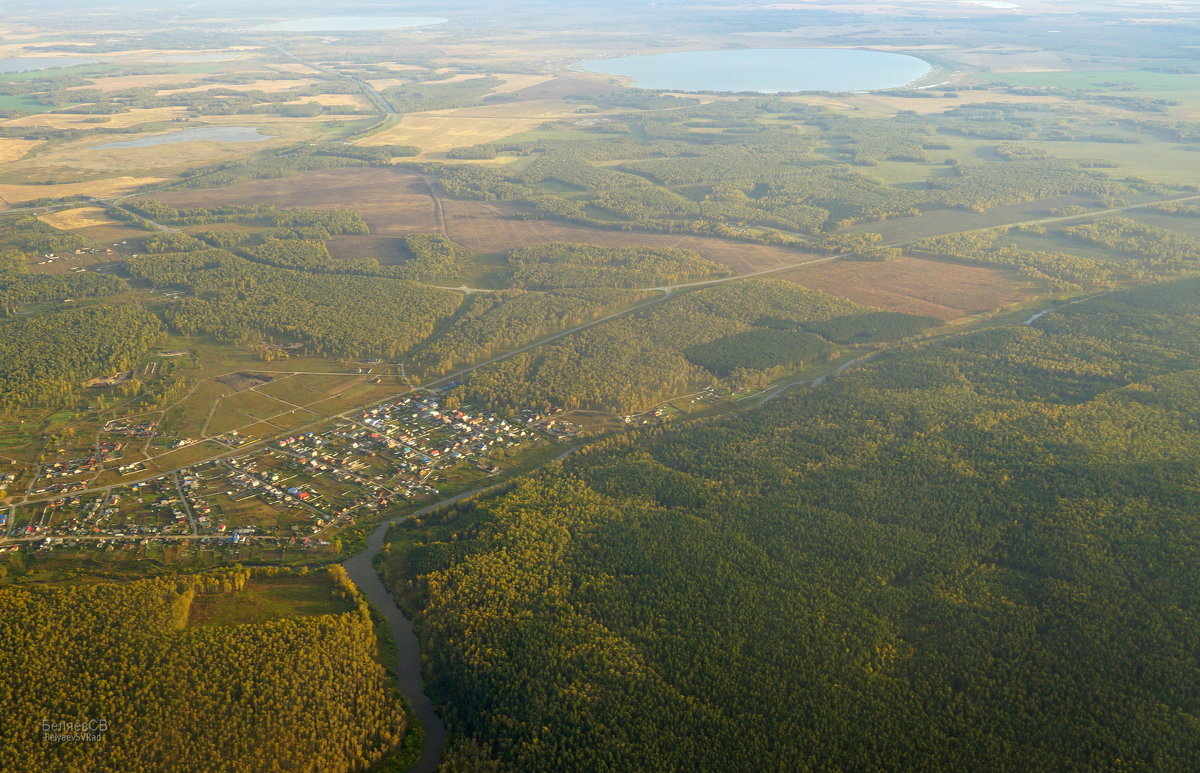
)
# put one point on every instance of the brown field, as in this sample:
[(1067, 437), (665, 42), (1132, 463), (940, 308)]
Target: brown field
[(17, 194), (13, 150), (353, 101), (121, 82), (440, 130), (944, 290), (115, 121), (80, 217), (269, 86), (392, 202)]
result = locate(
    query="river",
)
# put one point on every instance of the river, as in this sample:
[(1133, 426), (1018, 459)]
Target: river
[(408, 649)]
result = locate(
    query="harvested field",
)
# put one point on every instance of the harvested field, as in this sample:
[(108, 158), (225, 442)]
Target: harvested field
[(122, 82), (352, 101), (80, 217), (917, 286), (115, 121), (16, 194), (393, 202), (12, 150), (440, 130), (268, 86)]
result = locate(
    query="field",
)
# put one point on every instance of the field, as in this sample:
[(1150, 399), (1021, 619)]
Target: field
[(916, 286), (80, 217), (12, 150), (437, 131), (112, 186), (114, 121), (267, 599)]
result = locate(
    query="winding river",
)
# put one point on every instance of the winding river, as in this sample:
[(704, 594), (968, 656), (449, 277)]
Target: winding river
[(408, 649)]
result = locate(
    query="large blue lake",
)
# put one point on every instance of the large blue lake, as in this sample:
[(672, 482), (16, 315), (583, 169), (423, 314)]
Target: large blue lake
[(199, 134), (767, 70), (349, 23)]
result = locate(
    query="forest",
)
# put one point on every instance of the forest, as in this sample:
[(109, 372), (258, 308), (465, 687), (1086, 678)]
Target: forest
[(559, 265), (46, 357), (239, 301), (685, 343), (301, 693), (975, 555)]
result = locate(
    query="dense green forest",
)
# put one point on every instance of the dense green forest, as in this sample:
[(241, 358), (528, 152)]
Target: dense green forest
[(491, 322), (687, 342), (978, 554), (303, 693), (559, 265), (46, 357), (240, 301)]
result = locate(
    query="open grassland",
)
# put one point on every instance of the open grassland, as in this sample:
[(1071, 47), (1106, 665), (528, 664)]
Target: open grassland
[(89, 155), (110, 186), (916, 286), (884, 103), (1100, 80), (336, 101), (122, 82), (440, 130), (80, 217), (13, 150), (115, 121), (388, 250), (942, 221), (1170, 163), (268, 86), (265, 599)]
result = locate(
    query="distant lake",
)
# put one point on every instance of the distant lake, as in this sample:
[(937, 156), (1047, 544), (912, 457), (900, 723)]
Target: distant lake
[(30, 63), (349, 23), (200, 134), (766, 70)]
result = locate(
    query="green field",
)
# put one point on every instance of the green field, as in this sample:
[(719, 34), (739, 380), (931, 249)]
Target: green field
[(268, 599)]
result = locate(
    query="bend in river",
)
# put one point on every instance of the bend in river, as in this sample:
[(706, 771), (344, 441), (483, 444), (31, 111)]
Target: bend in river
[(767, 70), (409, 680)]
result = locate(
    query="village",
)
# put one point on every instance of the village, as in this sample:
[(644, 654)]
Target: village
[(299, 491)]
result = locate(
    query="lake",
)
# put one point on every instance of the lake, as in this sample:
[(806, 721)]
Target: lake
[(199, 134), (767, 70), (349, 23), (30, 63)]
